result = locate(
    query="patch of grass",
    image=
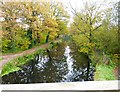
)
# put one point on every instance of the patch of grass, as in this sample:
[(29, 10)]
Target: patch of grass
[(104, 72), (1, 58), (15, 64)]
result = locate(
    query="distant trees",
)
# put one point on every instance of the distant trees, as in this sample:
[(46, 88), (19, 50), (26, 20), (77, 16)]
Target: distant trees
[(27, 24), (107, 36)]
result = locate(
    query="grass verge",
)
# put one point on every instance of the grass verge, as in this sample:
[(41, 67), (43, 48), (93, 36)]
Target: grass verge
[(15, 64), (104, 72), (1, 58)]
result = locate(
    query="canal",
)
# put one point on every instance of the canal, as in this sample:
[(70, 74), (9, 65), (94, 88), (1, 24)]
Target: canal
[(63, 63)]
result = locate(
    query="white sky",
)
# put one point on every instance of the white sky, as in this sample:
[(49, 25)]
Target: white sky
[(78, 4)]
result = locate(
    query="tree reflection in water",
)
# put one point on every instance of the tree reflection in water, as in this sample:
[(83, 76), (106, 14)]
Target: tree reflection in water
[(61, 64)]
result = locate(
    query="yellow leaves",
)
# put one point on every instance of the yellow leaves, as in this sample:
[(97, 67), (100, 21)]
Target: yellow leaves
[(117, 55), (22, 43), (53, 35), (90, 45), (84, 50), (25, 45), (50, 22), (87, 47), (40, 19)]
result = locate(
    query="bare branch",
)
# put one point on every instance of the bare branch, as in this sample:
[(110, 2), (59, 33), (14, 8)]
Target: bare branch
[(97, 27), (81, 32), (75, 13)]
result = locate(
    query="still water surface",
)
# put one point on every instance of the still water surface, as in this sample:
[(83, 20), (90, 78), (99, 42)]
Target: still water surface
[(60, 64)]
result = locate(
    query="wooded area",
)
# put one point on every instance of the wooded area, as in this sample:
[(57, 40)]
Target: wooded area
[(27, 24)]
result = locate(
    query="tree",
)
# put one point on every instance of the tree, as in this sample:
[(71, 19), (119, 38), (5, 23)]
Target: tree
[(108, 35), (86, 23), (61, 16), (10, 26), (27, 24)]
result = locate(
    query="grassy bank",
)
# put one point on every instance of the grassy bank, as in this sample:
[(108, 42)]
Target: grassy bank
[(1, 59), (15, 64), (105, 72)]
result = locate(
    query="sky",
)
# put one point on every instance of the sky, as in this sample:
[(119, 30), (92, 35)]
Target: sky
[(78, 4)]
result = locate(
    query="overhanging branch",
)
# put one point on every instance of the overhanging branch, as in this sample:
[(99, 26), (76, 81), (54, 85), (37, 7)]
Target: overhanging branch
[(97, 27), (81, 30)]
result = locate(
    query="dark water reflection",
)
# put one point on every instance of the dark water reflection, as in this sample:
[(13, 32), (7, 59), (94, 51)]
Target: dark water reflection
[(61, 64)]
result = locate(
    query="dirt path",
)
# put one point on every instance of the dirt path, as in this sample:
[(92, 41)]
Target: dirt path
[(116, 73), (7, 58)]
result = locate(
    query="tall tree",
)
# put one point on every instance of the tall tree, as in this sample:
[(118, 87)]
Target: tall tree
[(10, 13), (85, 23)]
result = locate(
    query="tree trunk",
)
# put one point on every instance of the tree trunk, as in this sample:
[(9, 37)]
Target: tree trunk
[(29, 35), (47, 38), (88, 68), (90, 38), (88, 65), (49, 54)]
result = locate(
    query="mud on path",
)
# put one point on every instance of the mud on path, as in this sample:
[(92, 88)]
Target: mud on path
[(7, 58)]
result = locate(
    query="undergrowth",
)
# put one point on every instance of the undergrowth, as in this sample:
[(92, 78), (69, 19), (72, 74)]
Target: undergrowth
[(15, 64), (105, 72)]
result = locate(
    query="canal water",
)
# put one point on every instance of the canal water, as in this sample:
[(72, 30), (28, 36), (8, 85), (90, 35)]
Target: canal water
[(63, 63)]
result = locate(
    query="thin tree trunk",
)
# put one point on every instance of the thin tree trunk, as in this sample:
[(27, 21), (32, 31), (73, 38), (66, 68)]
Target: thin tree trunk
[(88, 65), (88, 68), (47, 38), (49, 54)]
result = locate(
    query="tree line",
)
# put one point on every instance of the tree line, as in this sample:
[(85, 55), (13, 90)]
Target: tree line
[(27, 24), (94, 29)]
